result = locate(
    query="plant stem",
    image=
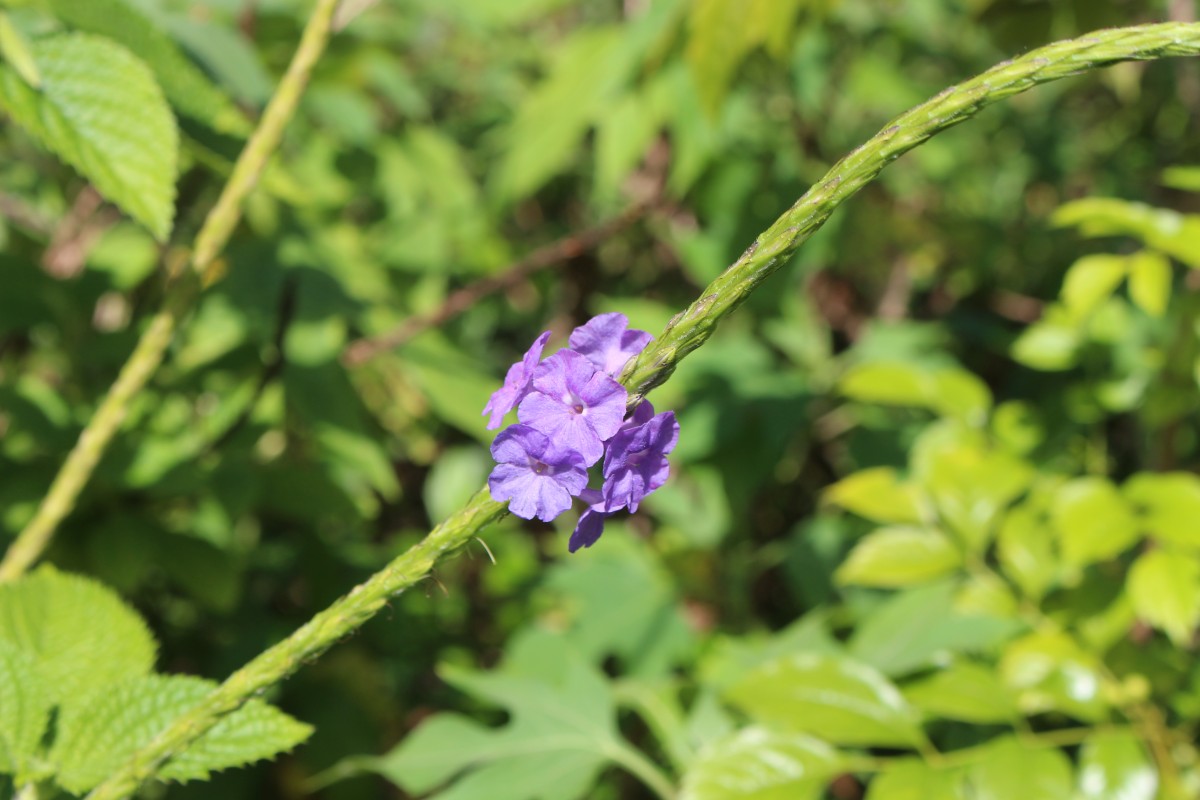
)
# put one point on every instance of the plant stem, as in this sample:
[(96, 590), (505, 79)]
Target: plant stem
[(180, 294), (686, 332), (636, 763)]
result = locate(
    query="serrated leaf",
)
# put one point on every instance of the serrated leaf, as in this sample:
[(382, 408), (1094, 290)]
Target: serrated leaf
[(913, 779), (1025, 548), (899, 556), (1114, 766), (877, 494), (182, 82), (963, 691), (1051, 672), (1090, 281), (562, 732), (760, 764), (82, 637), (24, 709), (1165, 590), (920, 627), (1094, 522), (1150, 282), (100, 110), (1008, 770), (1168, 506), (97, 737), (843, 701)]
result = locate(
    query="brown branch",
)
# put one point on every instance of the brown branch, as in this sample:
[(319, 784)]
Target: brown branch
[(77, 233), (565, 249), (24, 215)]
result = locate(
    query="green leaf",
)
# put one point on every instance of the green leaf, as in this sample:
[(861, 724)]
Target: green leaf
[(188, 88), (913, 779), (920, 627), (24, 710), (1165, 590), (619, 601), (1025, 548), (1090, 281), (950, 392), (1050, 672), (100, 110), (1050, 344), (963, 691), (760, 764), (562, 732), (877, 494), (95, 738), (841, 700), (15, 49), (1094, 522), (1150, 282), (1186, 178), (1114, 766), (968, 481), (1176, 234), (81, 636), (899, 556), (1008, 770), (1168, 504)]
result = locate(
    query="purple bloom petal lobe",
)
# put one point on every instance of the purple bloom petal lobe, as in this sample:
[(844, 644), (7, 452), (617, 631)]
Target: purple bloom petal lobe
[(606, 342), (591, 525), (516, 384), (636, 463), (574, 404), (536, 478)]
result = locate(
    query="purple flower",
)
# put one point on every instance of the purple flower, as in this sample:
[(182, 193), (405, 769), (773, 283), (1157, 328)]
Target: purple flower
[(516, 384), (606, 342), (588, 530), (636, 462), (574, 404), (537, 478)]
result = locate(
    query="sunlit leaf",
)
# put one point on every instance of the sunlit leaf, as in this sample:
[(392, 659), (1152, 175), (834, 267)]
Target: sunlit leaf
[(1114, 766), (1165, 590), (760, 764), (899, 556)]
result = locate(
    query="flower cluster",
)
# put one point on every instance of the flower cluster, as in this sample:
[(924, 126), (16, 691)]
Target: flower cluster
[(571, 414)]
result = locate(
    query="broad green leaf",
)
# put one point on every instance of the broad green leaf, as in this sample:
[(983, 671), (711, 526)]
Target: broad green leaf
[(1025, 548), (843, 701), (619, 601), (950, 392), (561, 733), (1186, 178), (1050, 344), (457, 386), (913, 779), (899, 556), (877, 494), (1150, 282), (81, 636), (963, 691), (1165, 590), (455, 476), (1090, 281), (920, 627), (95, 738), (1050, 672), (1094, 522), (24, 710), (1007, 770), (968, 481), (548, 129), (100, 110), (1113, 765), (1171, 232), (729, 658), (761, 764), (1168, 505), (182, 82), (15, 50)]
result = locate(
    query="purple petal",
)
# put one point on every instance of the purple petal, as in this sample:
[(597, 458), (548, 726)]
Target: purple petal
[(517, 443), (606, 342), (635, 463), (587, 531), (640, 416), (516, 383), (566, 430), (604, 400)]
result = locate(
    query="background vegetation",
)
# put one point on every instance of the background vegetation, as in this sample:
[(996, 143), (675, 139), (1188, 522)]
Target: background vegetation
[(932, 522)]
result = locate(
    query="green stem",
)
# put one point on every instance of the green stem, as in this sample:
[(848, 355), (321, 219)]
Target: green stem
[(181, 292), (685, 333), (634, 762)]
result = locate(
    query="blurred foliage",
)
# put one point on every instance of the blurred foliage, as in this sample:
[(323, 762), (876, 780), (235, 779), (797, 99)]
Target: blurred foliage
[(931, 530)]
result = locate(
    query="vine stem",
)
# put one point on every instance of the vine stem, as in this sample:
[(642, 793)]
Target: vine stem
[(181, 291), (684, 334)]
